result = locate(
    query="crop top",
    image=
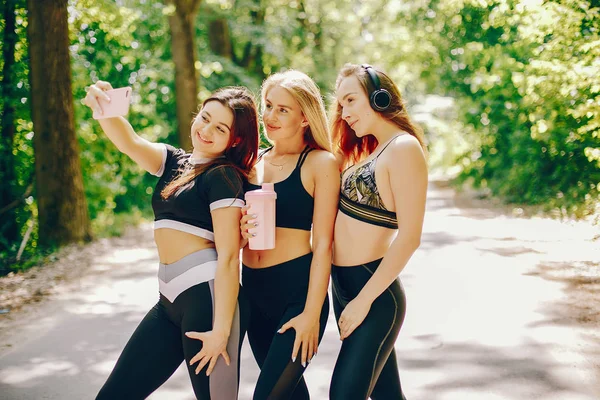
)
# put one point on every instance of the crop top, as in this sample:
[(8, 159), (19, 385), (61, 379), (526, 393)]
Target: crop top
[(188, 209), (294, 205), (360, 199)]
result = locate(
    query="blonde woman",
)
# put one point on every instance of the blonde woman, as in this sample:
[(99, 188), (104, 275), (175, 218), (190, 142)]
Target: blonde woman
[(287, 286)]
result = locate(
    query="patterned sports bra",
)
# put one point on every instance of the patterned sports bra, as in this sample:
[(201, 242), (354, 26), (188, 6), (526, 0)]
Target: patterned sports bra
[(360, 199)]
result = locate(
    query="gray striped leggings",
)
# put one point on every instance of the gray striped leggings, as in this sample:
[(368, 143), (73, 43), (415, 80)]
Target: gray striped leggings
[(159, 345)]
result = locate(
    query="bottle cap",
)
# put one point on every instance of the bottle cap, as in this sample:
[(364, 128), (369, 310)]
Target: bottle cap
[(267, 190)]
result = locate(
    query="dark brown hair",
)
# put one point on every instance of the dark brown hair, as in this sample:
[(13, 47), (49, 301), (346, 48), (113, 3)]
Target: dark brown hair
[(351, 147), (242, 149)]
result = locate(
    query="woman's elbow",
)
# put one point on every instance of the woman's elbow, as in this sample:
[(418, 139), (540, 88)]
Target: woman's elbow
[(416, 243), (229, 260), (410, 242), (322, 248)]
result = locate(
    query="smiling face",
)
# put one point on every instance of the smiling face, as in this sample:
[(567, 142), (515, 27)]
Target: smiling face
[(356, 109), (211, 130), (282, 115)]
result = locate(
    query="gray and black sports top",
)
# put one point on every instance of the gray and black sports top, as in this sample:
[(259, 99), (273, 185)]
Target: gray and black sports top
[(360, 199), (294, 206), (188, 210)]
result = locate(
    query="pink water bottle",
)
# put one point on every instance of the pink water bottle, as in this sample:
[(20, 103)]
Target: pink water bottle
[(261, 202)]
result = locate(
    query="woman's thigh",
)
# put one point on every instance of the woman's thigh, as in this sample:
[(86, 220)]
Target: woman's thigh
[(150, 357)]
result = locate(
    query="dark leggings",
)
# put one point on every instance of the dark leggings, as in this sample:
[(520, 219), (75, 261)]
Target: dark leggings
[(277, 294), (366, 366), (159, 345)]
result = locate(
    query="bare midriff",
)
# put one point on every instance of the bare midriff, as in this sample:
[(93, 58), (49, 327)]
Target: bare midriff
[(289, 244), (173, 245), (356, 242)]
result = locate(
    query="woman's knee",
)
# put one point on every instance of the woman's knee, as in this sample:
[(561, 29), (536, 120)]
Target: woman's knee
[(348, 389)]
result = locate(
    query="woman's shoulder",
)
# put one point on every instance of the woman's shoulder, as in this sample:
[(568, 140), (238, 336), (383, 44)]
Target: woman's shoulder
[(322, 161), (173, 158), (174, 150), (220, 171), (319, 155), (403, 151), (174, 154), (402, 144)]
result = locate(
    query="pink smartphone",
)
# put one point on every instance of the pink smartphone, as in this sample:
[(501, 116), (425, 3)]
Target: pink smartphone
[(118, 106)]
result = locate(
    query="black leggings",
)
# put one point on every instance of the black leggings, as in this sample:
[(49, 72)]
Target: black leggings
[(159, 345), (366, 366), (277, 294)]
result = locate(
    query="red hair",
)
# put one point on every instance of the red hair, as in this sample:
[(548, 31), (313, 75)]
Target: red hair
[(352, 148)]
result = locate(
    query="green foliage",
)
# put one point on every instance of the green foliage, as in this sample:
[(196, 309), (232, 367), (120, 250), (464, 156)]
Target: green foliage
[(22, 149), (524, 76), (126, 47), (526, 79)]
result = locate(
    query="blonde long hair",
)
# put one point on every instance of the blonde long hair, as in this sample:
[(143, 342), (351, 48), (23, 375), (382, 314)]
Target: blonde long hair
[(306, 92)]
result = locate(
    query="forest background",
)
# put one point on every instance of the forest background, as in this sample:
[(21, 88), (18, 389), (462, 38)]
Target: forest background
[(507, 91)]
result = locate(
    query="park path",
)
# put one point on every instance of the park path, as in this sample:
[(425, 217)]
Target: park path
[(499, 307)]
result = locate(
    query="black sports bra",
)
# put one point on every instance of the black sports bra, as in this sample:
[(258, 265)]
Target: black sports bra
[(360, 199), (189, 209), (294, 205)]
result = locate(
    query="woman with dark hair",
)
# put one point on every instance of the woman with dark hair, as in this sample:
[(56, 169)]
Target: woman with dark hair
[(378, 228), (196, 204)]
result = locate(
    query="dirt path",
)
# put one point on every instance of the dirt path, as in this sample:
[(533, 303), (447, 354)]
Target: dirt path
[(499, 308)]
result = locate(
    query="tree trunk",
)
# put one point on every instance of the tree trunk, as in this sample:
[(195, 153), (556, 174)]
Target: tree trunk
[(181, 22), (219, 38), (62, 209), (8, 223), (252, 57)]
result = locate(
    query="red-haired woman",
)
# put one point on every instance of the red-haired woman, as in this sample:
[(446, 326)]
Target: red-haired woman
[(378, 228), (196, 204)]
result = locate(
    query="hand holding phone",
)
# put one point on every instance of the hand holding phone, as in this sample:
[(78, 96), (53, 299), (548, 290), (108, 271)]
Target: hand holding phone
[(118, 105), (107, 102)]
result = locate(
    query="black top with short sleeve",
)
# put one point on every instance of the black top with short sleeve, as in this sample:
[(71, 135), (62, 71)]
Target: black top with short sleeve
[(188, 210)]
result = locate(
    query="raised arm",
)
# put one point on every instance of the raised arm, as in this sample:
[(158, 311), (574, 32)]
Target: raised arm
[(144, 153)]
